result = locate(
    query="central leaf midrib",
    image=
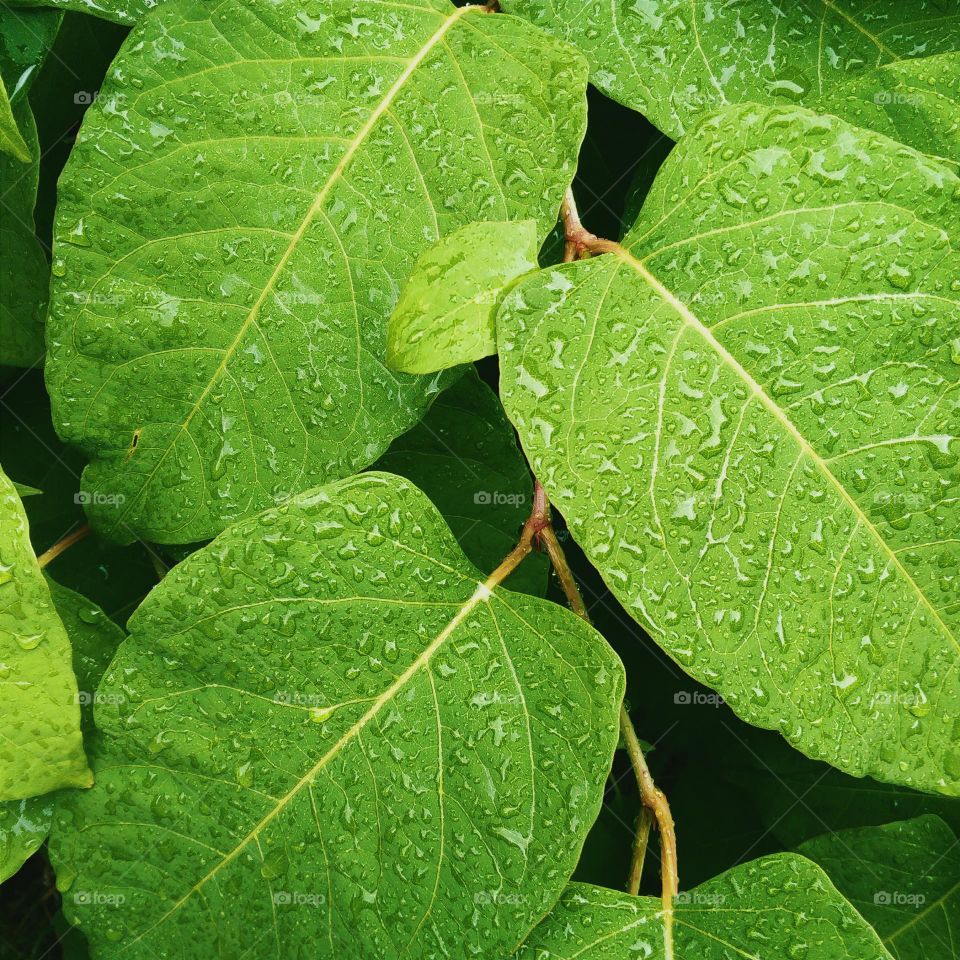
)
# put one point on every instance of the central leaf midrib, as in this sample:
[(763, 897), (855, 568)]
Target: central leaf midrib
[(689, 318), (482, 593), (314, 210)]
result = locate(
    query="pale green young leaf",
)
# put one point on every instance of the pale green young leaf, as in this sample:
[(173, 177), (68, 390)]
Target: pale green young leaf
[(213, 362), (327, 729), (776, 908), (41, 748), (748, 417), (675, 60), (11, 139), (445, 314), (904, 878), (464, 456), (914, 101), (24, 824)]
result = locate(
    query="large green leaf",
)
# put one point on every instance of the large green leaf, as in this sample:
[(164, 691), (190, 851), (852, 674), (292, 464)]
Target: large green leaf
[(778, 908), (676, 59), (40, 746), (914, 101), (325, 729), (748, 417), (464, 456), (213, 362), (904, 878)]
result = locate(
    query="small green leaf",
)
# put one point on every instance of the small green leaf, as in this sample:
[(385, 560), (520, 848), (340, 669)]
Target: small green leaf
[(904, 878), (213, 363), (41, 749), (24, 824), (446, 311), (11, 139), (327, 729), (24, 270), (777, 908), (748, 416), (464, 456)]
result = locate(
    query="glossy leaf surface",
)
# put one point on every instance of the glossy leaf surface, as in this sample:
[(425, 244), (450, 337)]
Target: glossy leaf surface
[(778, 907), (445, 314), (747, 415), (345, 739), (214, 363)]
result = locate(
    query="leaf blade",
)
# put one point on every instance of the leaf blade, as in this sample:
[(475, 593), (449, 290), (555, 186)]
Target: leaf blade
[(291, 294), (684, 451), (303, 817)]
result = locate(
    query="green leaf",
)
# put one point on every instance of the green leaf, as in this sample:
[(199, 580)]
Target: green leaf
[(913, 101), (24, 825), (42, 749), (212, 364), (747, 415), (675, 60), (113, 577), (24, 270), (777, 907), (445, 314), (94, 638), (464, 456), (11, 140), (325, 729), (904, 878), (127, 12), (26, 37)]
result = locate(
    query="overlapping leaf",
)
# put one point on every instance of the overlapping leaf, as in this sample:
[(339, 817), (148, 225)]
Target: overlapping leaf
[(778, 907), (24, 824), (40, 744), (217, 360), (675, 60), (914, 101), (904, 878), (464, 456), (326, 729), (748, 416), (445, 313)]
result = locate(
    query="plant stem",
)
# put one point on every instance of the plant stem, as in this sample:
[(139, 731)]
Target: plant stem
[(539, 527), (69, 540)]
